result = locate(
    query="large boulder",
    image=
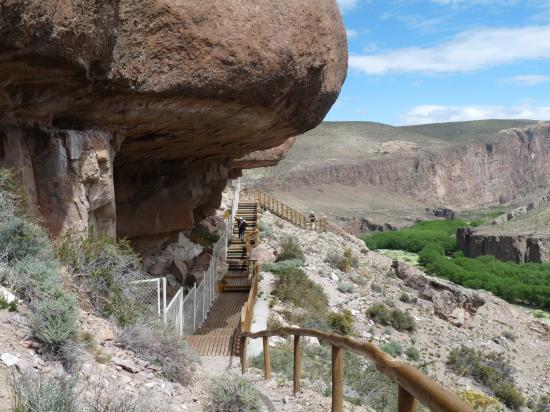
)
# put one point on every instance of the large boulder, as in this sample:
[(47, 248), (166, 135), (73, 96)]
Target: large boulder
[(450, 302), (128, 116)]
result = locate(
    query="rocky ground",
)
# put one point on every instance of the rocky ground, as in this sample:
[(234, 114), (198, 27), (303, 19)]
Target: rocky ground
[(123, 373), (445, 314)]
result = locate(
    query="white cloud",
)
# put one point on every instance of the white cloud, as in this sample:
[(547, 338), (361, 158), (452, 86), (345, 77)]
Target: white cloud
[(346, 5), (468, 51), (441, 113), (351, 33), (527, 79)]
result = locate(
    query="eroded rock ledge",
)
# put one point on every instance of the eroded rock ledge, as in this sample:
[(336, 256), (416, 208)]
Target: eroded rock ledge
[(129, 117)]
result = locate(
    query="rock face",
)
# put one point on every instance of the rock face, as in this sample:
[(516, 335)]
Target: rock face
[(450, 302), (129, 116), (521, 235)]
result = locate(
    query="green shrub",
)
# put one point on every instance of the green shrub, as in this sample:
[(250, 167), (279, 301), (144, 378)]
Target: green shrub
[(34, 391), (152, 341), (201, 236), (392, 348), (406, 298), (53, 319), (491, 370), (32, 278), (294, 286), (480, 402), (341, 323), (20, 238), (412, 353), (291, 250), (10, 196), (344, 263), (345, 287), (414, 239), (283, 266), (233, 394), (382, 314), (542, 404), (107, 267), (509, 395)]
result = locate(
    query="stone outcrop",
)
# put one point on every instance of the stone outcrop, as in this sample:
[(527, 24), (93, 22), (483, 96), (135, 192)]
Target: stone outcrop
[(129, 117), (450, 302), (512, 164), (521, 235), (516, 248)]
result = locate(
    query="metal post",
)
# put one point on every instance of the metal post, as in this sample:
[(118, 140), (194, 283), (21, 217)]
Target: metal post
[(181, 312), (203, 294), (194, 306), (158, 297), (164, 298)]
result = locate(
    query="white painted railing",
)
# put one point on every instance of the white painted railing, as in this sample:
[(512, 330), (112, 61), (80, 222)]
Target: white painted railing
[(187, 310)]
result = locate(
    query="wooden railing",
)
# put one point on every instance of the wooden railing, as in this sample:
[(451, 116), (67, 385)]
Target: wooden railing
[(284, 211), (413, 385), (247, 311)]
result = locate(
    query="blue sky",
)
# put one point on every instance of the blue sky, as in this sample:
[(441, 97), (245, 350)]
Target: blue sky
[(414, 61)]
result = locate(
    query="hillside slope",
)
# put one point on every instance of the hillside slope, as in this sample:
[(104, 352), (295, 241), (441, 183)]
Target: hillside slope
[(370, 174)]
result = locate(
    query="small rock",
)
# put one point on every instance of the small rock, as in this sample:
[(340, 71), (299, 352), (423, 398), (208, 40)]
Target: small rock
[(286, 401), (154, 367), (8, 359), (126, 364), (311, 340), (104, 334), (334, 277)]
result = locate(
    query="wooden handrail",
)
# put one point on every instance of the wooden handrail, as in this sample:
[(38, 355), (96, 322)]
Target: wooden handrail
[(413, 385), (284, 211)]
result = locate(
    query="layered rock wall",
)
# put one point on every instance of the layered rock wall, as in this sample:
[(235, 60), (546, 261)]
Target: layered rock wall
[(129, 117), (460, 177)]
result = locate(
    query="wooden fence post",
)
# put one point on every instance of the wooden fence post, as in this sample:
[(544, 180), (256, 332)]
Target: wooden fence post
[(406, 402), (297, 364), (337, 379), (244, 359), (267, 359)]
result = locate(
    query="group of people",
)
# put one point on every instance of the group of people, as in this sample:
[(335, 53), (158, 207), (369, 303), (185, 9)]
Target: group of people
[(241, 225)]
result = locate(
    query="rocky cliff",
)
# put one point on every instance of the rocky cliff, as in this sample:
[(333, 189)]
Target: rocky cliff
[(404, 174), (129, 117), (521, 235)]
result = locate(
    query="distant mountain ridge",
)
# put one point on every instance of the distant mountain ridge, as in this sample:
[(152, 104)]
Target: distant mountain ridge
[(391, 174)]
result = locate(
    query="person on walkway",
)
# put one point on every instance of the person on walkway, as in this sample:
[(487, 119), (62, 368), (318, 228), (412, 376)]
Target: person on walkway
[(242, 229), (238, 223), (312, 220)]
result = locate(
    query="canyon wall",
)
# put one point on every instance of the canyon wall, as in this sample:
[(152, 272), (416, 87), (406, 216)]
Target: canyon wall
[(514, 163), (128, 117)]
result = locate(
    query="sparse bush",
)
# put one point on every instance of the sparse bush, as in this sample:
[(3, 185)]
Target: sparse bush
[(491, 370), (71, 354), (283, 266), (360, 279), (107, 267), (480, 402), (412, 353), (20, 238), (392, 348), (395, 318), (233, 394), (10, 196), (341, 323), (542, 404), (294, 286), (375, 288), (201, 236), (53, 319), (265, 230), (274, 323), (34, 391), (345, 287), (291, 250), (406, 298), (155, 343), (343, 263), (32, 278)]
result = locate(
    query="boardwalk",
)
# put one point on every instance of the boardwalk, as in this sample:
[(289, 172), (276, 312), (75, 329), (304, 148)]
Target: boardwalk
[(217, 336)]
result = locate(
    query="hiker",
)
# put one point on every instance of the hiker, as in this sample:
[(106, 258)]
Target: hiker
[(312, 219), (242, 228), (238, 223)]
